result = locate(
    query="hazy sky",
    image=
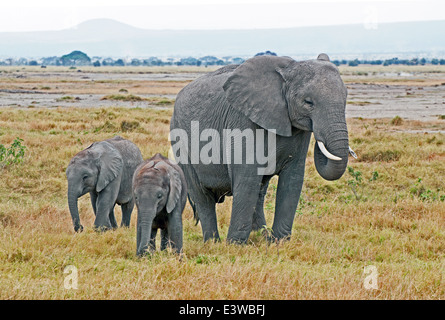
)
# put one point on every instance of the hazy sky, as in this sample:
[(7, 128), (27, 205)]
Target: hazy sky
[(25, 15)]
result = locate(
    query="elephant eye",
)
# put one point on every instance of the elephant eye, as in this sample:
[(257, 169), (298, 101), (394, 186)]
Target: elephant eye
[(159, 195), (85, 177), (308, 102)]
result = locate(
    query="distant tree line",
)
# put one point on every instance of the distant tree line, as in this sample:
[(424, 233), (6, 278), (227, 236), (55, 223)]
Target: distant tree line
[(78, 58), (392, 61)]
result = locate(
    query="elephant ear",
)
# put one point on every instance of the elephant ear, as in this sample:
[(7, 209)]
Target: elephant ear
[(323, 56), (256, 89), (175, 185), (110, 164)]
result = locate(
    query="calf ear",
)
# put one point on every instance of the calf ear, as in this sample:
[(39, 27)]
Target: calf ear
[(175, 190), (175, 185), (110, 164)]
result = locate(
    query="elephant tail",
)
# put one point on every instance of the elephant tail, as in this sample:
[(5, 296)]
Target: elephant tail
[(192, 204)]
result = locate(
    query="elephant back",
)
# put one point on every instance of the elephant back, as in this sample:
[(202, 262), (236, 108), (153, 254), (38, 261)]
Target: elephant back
[(131, 154)]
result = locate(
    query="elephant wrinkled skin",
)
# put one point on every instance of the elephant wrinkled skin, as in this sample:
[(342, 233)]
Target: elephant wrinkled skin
[(273, 94)]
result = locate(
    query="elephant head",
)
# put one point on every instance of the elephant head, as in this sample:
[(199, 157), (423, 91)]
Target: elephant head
[(281, 94), (91, 170), (157, 191)]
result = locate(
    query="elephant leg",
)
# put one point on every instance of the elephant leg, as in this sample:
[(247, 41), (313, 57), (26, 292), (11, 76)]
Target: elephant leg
[(112, 218), (259, 220), (173, 233), (290, 183), (102, 221), (127, 209), (105, 202), (93, 197), (288, 195), (203, 203), (246, 191), (205, 208), (164, 239)]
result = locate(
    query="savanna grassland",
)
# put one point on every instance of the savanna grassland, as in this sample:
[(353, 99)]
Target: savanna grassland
[(387, 211)]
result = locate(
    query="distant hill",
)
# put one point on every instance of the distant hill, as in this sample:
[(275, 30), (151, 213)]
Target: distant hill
[(105, 37)]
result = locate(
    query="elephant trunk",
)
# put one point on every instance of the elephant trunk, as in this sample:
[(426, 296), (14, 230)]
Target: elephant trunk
[(331, 151), (144, 229), (72, 204)]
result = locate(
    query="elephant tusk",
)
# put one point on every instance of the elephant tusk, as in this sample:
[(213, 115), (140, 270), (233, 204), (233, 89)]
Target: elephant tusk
[(352, 153), (326, 152)]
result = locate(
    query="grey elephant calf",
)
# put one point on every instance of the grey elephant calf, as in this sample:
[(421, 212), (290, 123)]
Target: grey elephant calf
[(160, 193), (105, 170)]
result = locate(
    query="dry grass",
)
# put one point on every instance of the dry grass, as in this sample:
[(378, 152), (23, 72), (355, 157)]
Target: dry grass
[(64, 80), (396, 225), (74, 86), (71, 82), (157, 101)]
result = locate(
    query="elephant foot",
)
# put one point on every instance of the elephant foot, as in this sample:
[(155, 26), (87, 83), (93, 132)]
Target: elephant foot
[(236, 241), (238, 238), (212, 236), (78, 228), (125, 224), (239, 235), (101, 229), (271, 238), (146, 252), (212, 239)]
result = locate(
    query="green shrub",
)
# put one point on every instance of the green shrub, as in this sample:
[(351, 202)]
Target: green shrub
[(108, 126), (122, 97), (129, 125), (425, 194), (396, 121), (356, 182), (12, 155), (164, 101)]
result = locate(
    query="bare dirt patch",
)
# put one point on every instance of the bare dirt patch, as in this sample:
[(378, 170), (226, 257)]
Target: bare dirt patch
[(412, 93), (388, 101)]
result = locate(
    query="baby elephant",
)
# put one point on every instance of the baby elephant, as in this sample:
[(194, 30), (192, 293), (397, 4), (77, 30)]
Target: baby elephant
[(160, 193), (105, 170)]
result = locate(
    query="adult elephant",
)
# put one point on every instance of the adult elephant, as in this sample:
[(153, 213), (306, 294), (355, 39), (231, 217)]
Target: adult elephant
[(288, 99)]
